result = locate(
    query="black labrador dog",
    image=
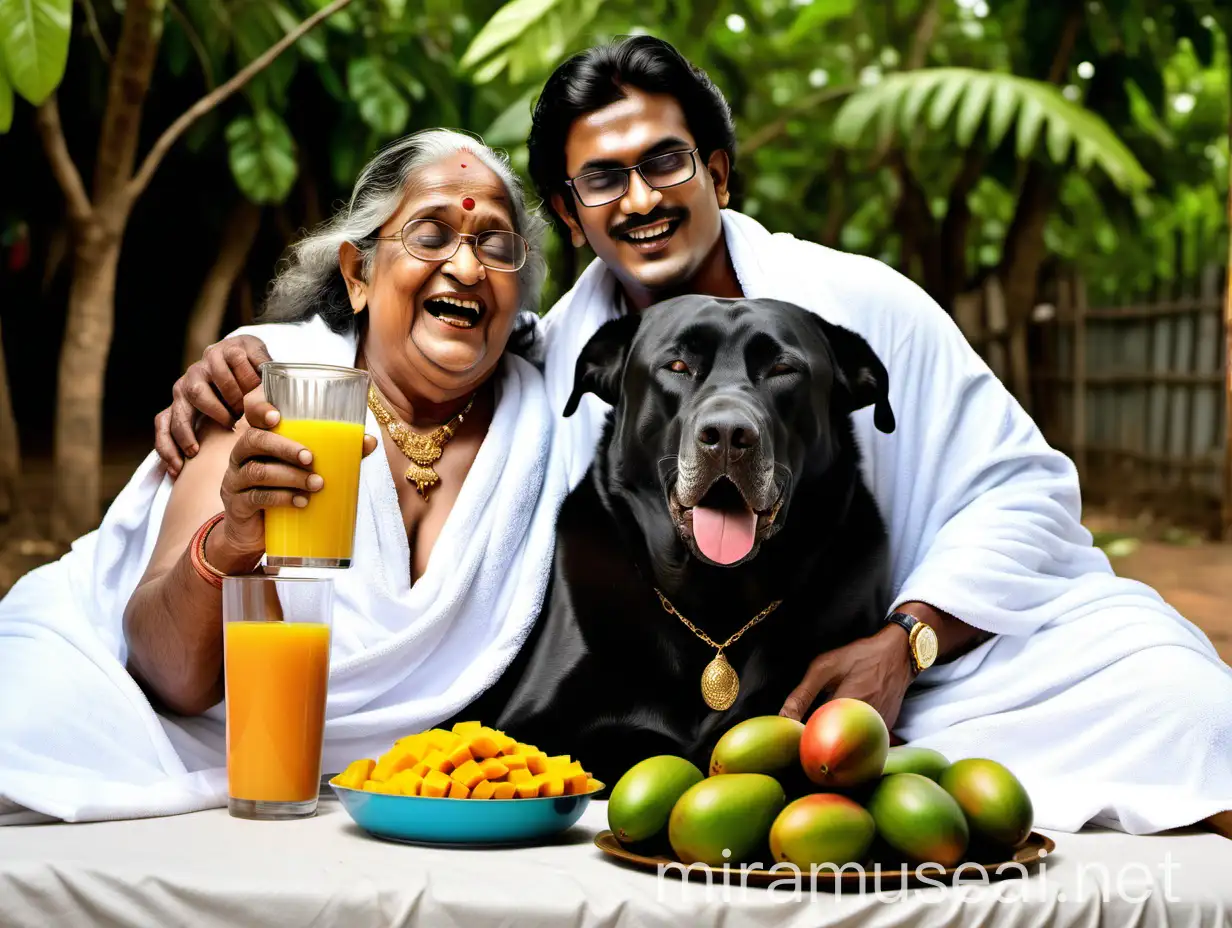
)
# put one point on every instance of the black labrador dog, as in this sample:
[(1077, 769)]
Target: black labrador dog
[(727, 480)]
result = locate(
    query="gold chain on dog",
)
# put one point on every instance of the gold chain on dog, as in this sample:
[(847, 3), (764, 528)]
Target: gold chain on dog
[(423, 450), (720, 684)]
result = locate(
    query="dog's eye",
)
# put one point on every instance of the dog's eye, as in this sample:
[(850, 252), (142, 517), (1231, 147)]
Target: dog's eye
[(780, 369), (678, 367)]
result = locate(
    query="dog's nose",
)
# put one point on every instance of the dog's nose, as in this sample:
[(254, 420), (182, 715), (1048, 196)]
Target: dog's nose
[(728, 432)]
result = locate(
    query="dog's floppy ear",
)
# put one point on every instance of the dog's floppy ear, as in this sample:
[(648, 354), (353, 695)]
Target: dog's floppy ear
[(601, 365), (861, 372)]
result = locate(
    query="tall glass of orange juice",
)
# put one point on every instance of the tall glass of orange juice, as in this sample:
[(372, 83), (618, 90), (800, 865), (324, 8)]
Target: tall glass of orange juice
[(276, 642), (323, 408)]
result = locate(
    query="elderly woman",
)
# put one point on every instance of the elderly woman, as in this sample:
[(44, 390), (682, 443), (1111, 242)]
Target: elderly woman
[(421, 280)]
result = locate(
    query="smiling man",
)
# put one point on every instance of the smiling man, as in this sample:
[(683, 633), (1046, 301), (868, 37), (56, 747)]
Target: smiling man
[(1021, 642)]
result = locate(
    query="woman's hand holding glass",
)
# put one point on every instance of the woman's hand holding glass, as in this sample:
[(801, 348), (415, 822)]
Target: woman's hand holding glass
[(266, 470)]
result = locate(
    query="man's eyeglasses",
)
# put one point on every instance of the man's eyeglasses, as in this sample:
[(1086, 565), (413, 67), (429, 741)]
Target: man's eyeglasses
[(433, 240), (597, 188)]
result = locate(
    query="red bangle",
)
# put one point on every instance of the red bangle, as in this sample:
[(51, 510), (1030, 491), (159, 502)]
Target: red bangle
[(196, 552)]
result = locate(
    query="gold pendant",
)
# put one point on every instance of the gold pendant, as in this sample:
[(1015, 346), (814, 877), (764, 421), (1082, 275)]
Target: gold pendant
[(720, 685), (424, 478)]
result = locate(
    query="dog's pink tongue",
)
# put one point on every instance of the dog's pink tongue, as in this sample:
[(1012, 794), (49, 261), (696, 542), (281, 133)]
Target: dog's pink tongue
[(722, 535)]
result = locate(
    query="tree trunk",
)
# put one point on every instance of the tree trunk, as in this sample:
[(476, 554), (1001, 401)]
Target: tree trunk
[(83, 367), (1025, 250), (1227, 398), (207, 314), (952, 249), (836, 211), (10, 447)]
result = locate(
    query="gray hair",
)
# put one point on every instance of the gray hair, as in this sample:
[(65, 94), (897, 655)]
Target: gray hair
[(309, 282)]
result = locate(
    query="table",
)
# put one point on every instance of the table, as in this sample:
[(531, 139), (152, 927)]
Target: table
[(209, 869)]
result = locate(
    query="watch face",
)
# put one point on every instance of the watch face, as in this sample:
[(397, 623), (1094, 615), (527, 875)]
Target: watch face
[(925, 646)]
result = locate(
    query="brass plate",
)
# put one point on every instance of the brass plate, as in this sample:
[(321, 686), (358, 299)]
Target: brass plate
[(1031, 852)]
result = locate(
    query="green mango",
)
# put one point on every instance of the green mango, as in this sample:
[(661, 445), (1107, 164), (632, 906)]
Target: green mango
[(729, 811), (764, 744), (996, 804), (918, 818), (924, 761), (824, 828), (643, 797)]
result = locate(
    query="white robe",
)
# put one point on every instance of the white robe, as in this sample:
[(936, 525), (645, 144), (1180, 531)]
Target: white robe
[(1108, 704), (78, 739)]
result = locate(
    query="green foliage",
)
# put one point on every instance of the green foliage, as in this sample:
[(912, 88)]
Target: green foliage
[(6, 99), (34, 38), (512, 126), (262, 156), (525, 38), (816, 15), (381, 102), (963, 99), (255, 28)]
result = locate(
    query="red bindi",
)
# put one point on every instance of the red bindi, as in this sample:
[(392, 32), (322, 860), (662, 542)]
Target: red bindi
[(468, 203), (464, 165)]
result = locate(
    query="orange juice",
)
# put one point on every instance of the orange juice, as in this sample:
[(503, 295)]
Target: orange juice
[(325, 527), (277, 674)]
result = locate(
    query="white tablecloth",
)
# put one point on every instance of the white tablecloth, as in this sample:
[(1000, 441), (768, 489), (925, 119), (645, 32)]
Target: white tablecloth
[(210, 869)]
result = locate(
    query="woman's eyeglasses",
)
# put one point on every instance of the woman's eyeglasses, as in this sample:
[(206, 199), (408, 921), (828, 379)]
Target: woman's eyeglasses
[(433, 240), (597, 188)]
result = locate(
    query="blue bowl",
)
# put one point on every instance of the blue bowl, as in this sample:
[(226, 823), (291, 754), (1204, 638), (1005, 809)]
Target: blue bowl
[(461, 822)]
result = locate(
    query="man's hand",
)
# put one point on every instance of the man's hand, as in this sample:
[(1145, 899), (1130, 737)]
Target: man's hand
[(216, 385), (876, 670)]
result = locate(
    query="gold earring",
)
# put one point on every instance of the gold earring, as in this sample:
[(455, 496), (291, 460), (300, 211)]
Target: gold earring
[(724, 197)]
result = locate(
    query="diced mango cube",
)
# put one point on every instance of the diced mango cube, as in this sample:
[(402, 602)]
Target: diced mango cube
[(527, 749), (398, 758), (571, 769), (407, 782), (506, 744), (505, 791), (466, 729), (528, 789), (417, 742), (484, 789), (442, 740), (513, 761), (576, 784), (458, 791), (559, 762), (438, 760), (519, 776), (552, 784), (377, 786), (423, 768), (356, 774), (493, 769), (482, 746), (537, 763), (435, 784), (459, 755), (468, 774), (591, 784)]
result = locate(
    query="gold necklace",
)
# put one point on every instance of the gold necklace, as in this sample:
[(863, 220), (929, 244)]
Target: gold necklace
[(720, 684), (423, 450)]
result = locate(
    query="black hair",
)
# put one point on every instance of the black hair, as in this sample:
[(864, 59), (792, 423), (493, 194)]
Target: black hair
[(596, 78)]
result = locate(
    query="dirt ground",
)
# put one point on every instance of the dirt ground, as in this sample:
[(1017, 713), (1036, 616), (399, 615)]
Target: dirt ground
[(1195, 576)]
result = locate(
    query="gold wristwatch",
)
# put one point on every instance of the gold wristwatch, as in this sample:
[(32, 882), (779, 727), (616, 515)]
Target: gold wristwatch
[(921, 640)]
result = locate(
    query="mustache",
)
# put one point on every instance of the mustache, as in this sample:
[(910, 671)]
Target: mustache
[(658, 214)]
